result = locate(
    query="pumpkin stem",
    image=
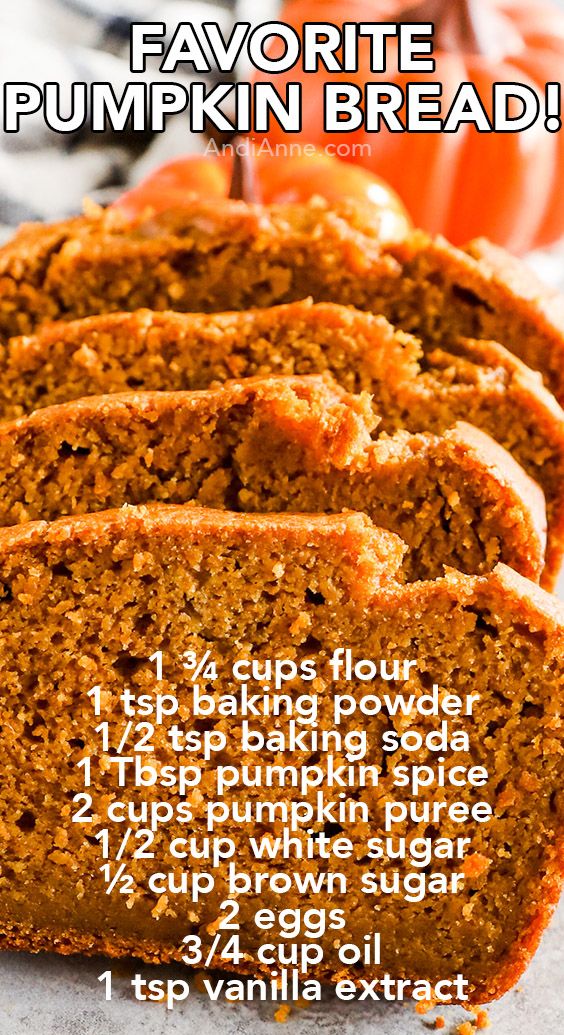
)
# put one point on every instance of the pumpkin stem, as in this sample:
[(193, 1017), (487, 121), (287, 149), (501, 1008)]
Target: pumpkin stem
[(244, 186), (461, 26)]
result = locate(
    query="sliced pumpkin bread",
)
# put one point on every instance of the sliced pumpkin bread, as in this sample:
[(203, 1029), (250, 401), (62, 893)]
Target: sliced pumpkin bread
[(479, 382), (278, 444), (212, 256), (87, 601)]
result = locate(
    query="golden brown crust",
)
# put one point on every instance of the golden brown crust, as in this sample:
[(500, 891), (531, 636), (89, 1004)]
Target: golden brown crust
[(348, 530), (374, 555), (487, 294), (481, 447)]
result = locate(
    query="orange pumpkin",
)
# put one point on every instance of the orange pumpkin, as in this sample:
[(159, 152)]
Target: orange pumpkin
[(171, 184), (295, 178), (507, 186)]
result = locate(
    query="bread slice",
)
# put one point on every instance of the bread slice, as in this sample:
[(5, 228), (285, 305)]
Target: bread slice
[(479, 291), (278, 444), (482, 383), (205, 257), (214, 256), (87, 601), (170, 351)]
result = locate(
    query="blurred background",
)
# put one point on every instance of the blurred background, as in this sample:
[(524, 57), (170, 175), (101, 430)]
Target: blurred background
[(508, 187), (46, 176)]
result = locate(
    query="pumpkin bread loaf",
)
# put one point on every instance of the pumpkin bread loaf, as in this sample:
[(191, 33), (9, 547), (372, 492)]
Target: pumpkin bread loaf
[(278, 444), (212, 256), (88, 600), (479, 382)]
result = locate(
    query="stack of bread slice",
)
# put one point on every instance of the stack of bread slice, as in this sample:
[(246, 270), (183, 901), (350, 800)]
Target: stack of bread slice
[(265, 432)]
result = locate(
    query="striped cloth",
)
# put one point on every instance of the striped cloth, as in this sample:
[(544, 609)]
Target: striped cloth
[(44, 175)]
